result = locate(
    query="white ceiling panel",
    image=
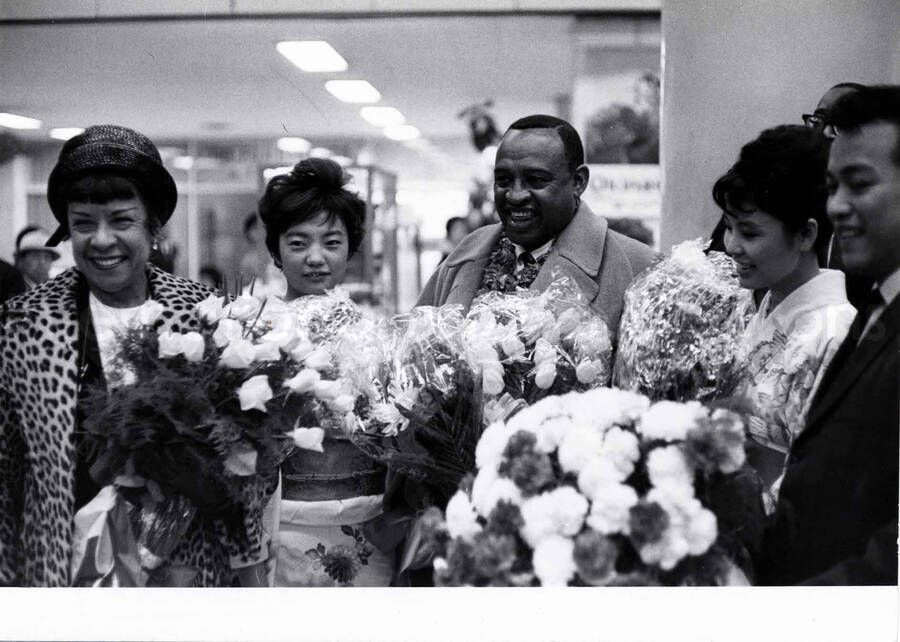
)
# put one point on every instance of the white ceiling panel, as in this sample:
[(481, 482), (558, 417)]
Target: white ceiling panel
[(223, 77)]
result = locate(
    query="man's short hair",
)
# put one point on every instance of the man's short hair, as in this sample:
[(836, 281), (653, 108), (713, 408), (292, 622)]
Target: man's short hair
[(868, 105), (571, 141)]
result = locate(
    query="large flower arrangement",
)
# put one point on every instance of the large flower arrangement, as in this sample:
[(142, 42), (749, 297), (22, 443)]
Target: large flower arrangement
[(595, 488), (681, 326), (210, 414)]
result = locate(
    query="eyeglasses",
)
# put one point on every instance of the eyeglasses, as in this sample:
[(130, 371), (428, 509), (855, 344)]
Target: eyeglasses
[(817, 121)]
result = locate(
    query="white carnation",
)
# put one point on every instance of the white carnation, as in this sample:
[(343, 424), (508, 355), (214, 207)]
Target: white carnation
[(667, 466), (553, 560), (550, 433), (670, 420), (557, 512), (531, 417), (597, 475), (622, 448), (461, 517), (701, 532), (490, 447), (580, 444), (569, 509), (489, 488), (610, 508), (538, 519)]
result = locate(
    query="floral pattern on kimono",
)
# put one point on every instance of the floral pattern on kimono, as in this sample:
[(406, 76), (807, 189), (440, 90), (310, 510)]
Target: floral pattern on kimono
[(783, 355)]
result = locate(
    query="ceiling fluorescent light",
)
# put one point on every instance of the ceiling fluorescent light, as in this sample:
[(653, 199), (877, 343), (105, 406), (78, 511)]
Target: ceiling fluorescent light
[(14, 121), (402, 132), (293, 145), (382, 116), (65, 133), (353, 91), (312, 55)]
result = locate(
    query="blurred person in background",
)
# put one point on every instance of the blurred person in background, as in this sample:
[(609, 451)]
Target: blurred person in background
[(33, 257), (211, 277), (820, 119), (11, 281), (457, 229), (633, 228)]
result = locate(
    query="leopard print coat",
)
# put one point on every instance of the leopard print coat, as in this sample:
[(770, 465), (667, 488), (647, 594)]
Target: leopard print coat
[(38, 394)]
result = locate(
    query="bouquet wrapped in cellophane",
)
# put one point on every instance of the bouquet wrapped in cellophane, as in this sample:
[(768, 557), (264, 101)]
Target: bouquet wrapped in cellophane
[(598, 488), (527, 345), (202, 420), (421, 410), (681, 326)]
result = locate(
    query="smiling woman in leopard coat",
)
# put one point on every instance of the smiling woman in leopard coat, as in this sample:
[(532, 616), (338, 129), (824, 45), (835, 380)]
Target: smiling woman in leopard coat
[(111, 195)]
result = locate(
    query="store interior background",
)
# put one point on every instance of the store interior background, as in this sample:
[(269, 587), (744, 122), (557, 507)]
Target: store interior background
[(204, 80)]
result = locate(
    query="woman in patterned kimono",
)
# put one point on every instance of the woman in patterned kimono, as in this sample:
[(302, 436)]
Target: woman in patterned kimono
[(111, 195), (776, 229), (313, 225)]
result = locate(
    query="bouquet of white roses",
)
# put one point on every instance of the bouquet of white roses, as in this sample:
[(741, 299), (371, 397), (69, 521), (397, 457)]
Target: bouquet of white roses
[(210, 414), (681, 326), (528, 345), (595, 488)]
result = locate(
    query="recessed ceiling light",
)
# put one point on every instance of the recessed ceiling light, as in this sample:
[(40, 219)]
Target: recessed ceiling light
[(312, 55), (14, 121), (401, 132), (320, 152), (382, 116), (293, 145), (353, 91), (65, 133)]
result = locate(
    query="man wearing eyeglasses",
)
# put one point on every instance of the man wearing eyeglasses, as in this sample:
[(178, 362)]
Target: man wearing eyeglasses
[(836, 518), (821, 118)]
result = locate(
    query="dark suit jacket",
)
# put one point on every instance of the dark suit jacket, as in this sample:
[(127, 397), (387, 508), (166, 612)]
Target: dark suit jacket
[(836, 520)]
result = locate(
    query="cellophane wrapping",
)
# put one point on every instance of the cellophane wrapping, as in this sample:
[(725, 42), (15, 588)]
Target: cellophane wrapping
[(681, 326)]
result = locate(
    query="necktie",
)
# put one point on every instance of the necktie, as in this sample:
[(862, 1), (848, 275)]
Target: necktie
[(871, 302), (530, 268)]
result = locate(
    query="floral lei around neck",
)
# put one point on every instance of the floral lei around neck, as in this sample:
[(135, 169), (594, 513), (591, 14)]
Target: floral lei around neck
[(500, 272)]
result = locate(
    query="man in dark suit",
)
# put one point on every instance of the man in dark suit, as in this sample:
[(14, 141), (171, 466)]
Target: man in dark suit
[(836, 519)]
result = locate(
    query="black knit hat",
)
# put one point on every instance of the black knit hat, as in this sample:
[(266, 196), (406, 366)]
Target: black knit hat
[(114, 149)]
